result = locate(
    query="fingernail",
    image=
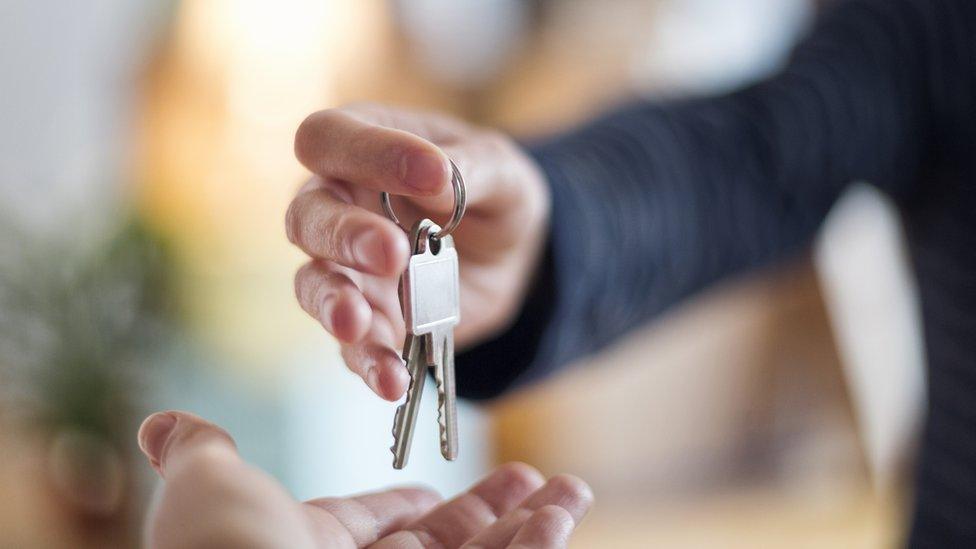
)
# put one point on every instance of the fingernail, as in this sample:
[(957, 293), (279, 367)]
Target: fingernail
[(369, 250), (154, 433), (424, 171)]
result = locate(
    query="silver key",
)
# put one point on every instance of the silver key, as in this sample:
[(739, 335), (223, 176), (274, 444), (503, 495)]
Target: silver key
[(429, 297), (406, 413)]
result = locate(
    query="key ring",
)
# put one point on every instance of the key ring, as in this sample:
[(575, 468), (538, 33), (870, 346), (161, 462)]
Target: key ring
[(459, 204)]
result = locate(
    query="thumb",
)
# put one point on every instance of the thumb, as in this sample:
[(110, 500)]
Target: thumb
[(167, 438), (489, 164)]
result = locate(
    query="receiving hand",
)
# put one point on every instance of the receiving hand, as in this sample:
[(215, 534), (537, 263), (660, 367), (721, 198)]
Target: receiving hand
[(350, 285), (211, 498)]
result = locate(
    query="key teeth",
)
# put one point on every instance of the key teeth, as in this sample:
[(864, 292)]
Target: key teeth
[(397, 418), (441, 413)]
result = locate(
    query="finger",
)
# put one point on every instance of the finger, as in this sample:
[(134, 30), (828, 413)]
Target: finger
[(485, 162), (380, 367), (332, 143), (211, 497), (454, 522), (369, 517), (547, 528), (366, 317), (166, 437), (376, 357), (564, 491), (324, 226), (333, 299), (382, 295)]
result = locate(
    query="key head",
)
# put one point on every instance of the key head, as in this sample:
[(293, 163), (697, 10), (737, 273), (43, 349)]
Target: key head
[(430, 283)]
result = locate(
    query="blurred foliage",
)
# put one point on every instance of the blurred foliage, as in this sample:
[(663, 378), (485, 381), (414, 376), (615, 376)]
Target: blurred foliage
[(78, 327)]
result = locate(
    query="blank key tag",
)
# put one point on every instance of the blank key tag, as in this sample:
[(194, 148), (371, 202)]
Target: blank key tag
[(430, 283)]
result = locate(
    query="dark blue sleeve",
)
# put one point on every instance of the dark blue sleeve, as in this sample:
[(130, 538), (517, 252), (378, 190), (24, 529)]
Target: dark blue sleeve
[(655, 202)]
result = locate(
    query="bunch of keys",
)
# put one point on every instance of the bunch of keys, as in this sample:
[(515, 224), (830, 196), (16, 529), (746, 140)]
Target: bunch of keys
[(429, 298)]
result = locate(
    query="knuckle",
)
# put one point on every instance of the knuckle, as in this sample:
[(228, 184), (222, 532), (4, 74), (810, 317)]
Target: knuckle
[(310, 133), (337, 229), (313, 286), (305, 133), (302, 277), (293, 221), (317, 225)]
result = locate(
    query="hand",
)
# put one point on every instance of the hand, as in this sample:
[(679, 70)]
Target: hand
[(212, 498), (350, 285)]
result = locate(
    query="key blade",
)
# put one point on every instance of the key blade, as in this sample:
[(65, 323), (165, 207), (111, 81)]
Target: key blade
[(405, 418), (443, 366), (397, 430)]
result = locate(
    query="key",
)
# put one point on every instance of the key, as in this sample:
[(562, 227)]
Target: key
[(429, 297), (442, 348), (406, 414)]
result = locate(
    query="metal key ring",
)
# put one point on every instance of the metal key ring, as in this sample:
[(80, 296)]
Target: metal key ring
[(459, 203)]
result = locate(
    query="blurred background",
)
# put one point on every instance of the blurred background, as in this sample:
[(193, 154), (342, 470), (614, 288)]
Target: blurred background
[(146, 165)]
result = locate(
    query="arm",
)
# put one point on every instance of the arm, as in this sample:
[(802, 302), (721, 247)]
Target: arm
[(648, 205), (655, 202)]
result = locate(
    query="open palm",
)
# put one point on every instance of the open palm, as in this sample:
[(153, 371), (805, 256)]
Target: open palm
[(212, 498)]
